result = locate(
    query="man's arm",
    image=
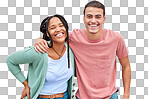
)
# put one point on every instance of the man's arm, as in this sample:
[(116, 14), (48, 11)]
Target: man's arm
[(126, 76), (41, 45)]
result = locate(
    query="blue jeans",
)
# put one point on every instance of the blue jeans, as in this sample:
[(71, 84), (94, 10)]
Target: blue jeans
[(114, 96), (65, 97)]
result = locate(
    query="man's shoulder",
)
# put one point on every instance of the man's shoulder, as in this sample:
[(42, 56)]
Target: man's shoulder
[(111, 32), (77, 34)]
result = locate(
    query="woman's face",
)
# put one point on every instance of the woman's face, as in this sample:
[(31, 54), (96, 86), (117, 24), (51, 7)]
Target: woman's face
[(57, 30)]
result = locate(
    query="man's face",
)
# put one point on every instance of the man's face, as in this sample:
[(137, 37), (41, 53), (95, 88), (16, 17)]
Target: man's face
[(93, 19)]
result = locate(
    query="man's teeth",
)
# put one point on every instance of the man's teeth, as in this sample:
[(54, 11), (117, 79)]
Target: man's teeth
[(93, 25)]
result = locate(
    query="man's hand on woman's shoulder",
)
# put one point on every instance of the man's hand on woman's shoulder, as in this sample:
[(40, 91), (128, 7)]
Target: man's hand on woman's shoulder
[(41, 45)]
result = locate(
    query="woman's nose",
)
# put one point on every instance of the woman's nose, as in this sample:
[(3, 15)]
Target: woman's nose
[(58, 29)]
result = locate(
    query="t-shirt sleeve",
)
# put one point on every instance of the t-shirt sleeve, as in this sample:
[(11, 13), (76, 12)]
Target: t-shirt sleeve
[(70, 35), (74, 34), (121, 48)]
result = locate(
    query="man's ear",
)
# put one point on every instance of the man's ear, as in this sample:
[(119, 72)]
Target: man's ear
[(83, 19), (104, 19)]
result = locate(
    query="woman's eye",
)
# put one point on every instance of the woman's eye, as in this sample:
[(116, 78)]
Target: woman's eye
[(52, 28), (61, 25)]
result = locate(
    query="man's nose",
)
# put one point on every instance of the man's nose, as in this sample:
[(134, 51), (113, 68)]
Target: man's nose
[(93, 19)]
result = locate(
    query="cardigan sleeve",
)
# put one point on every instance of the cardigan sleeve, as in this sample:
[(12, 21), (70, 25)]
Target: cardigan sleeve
[(20, 57)]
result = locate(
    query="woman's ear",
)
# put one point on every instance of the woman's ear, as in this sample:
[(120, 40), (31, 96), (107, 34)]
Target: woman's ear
[(47, 34)]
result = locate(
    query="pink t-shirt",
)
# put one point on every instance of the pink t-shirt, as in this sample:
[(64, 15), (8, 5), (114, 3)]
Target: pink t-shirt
[(96, 63)]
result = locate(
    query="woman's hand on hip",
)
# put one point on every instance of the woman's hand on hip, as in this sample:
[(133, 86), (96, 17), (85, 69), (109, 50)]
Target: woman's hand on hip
[(26, 92)]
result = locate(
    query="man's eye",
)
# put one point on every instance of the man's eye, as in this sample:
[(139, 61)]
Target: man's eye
[(89, 16), (98, 17)]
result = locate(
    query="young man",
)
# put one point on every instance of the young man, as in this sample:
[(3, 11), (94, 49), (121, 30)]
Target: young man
[(95, 51)]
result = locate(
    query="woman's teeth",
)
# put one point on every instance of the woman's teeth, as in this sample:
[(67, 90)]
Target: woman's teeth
[(59, 34)]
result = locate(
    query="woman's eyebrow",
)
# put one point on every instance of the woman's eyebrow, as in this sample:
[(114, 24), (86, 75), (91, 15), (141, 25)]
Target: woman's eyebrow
[(54, 25), (51, 26), (60, 23)]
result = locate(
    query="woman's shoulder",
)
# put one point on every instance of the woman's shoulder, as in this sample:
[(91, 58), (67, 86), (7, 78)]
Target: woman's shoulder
[(31, 52)]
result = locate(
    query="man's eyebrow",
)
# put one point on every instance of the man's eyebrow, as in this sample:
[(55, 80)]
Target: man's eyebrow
[(98, 15), (95, 15), (88, 14)]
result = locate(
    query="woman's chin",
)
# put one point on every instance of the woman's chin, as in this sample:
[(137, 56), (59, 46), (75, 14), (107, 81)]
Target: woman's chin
[(59, 41)]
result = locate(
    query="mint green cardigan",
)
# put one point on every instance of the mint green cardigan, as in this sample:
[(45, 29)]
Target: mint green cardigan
[(38, 64)]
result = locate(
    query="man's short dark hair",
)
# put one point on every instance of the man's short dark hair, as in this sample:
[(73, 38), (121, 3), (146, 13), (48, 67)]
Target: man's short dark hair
[(96, 4)]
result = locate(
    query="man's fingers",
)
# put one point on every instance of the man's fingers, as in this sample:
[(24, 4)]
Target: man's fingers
[(46, 44), (39, 49), (36, 50), (42, 47)]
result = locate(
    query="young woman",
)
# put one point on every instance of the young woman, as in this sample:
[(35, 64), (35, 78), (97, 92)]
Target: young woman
[(50, 75)]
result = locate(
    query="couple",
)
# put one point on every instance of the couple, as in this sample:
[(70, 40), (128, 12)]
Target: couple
[(95, 49)]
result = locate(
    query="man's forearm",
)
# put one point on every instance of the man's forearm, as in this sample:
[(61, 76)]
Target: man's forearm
[(126, 75)]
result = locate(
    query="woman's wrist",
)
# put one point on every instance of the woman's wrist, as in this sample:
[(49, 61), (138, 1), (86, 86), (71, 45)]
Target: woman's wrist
[(25, 83)]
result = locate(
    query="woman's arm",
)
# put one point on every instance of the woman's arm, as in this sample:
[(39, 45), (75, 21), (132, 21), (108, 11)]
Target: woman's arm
[(19, 57), (26, 91)]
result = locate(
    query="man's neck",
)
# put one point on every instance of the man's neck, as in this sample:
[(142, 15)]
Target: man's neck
[(94, 36)]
